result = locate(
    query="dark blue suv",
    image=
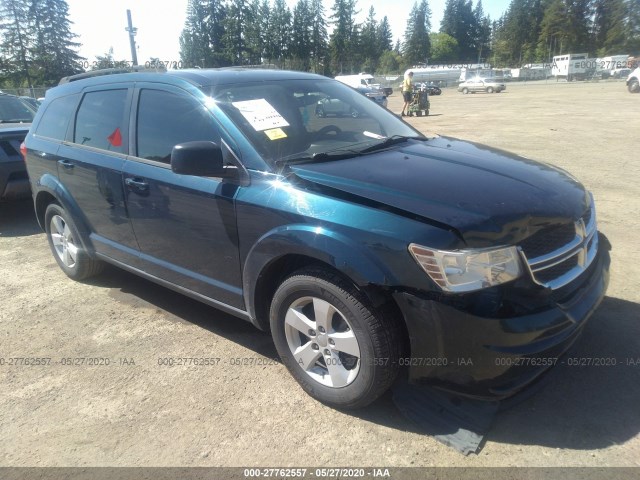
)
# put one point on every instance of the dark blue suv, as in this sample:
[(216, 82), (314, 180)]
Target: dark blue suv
[(365, 247)]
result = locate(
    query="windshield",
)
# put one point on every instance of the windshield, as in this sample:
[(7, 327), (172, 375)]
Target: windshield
[(14, 110), (308, 120)]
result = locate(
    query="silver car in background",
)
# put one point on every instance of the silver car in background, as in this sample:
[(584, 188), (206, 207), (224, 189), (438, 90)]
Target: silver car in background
[(489, 85)]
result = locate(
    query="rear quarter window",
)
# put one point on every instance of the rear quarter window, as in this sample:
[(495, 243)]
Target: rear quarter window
[(55, 120)]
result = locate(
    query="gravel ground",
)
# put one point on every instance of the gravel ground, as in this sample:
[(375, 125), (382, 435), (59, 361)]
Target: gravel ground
[(135, 412)]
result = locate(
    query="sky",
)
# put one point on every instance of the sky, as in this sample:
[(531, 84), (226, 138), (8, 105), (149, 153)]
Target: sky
[(101, 25)]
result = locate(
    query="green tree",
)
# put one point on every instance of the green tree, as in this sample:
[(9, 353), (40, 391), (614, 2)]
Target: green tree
[(444, 48), (555, 37), (417, 44), (370, 47), (15, 40), (389, 62), (482, 35), (385, 36), (54, 50), (344, 39), (459, 22), (201, 41), (279, 33), (633, 27), (302, 31), (234, 38), (103, 61), (516, 34), (609, 30), (254, 37), (319, 38)]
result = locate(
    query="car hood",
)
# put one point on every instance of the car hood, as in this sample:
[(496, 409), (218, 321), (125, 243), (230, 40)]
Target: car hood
[(14, 127), (489, 196)]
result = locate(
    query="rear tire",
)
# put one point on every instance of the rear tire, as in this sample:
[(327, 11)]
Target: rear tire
[(339, 348), (66, 247)]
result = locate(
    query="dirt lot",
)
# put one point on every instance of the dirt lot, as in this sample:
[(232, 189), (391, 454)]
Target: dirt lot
[(136, 412)]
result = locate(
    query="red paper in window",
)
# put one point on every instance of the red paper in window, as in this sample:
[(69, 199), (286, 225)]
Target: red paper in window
[(115, 138)]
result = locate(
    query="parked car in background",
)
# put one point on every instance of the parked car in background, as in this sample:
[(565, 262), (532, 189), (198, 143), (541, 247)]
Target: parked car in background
[(16, 116), (633, 81), (364, 247), (333, 106), (432, 88), (488, 85), (374, 94)]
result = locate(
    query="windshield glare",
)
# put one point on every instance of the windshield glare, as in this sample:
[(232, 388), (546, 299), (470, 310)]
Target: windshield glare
[(297, 119)]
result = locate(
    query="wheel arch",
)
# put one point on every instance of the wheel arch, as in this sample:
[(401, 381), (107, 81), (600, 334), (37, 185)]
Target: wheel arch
[(263, 272), (51, 191)]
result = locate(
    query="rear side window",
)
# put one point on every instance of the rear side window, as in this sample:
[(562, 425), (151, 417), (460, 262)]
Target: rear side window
[(166, 119), (55, 120), (100, 120)]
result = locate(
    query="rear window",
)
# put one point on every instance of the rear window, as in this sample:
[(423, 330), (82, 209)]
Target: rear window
[(14, 110)]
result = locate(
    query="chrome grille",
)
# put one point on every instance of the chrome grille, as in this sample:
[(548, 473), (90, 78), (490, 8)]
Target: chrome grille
[(556, 256)]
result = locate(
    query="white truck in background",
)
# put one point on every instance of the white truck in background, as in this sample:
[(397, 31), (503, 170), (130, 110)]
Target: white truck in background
[(572, 66), (363, 80)]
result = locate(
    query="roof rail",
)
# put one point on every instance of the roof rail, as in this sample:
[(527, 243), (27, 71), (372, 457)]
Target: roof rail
[(110, 71)]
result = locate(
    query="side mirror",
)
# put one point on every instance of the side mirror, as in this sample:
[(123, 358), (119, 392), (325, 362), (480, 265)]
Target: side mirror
[(202, 159)]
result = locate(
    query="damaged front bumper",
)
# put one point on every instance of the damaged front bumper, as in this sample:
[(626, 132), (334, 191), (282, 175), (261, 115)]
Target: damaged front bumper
[(493, 343)]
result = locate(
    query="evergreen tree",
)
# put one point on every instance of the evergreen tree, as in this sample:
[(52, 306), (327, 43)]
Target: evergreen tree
[(633, 27), (482, 35), (279, 33), (554, 36), (516, 35), (343, 42), (254, 37), (459, 22), (319, 39), (201, 41), (370, 50), (234, 38), (54, 52), (302, 31), (15, 40), (385, 37), (417, 45)]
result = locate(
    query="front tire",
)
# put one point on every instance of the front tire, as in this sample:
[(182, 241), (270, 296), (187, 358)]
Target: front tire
[(341, 350), (465, 91), (634, 86), (489, 89), (66, 247)]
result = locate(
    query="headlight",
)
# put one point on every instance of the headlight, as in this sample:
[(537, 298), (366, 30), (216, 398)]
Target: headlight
[(468, 270)]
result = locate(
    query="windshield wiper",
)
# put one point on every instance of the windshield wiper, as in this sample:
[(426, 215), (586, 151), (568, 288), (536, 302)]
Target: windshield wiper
[(318, 157), (388, 142)]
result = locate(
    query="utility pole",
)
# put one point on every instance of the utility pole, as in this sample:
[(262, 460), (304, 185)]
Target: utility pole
[(132, 42)]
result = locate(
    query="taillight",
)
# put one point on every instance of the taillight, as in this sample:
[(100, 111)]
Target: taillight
[(23, 151)]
